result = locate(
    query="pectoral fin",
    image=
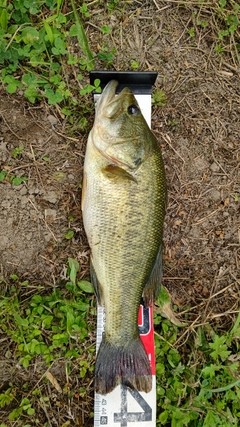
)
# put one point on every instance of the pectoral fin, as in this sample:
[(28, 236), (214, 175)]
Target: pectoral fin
[(152, 287), (113, 171)]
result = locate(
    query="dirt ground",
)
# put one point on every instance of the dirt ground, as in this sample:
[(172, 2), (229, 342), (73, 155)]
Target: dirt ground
[(199, 132)]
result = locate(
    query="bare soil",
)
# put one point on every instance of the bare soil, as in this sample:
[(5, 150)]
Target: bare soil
[(199, 131), (35, 216)]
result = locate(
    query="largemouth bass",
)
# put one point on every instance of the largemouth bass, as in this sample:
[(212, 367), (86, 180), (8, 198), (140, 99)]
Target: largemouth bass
[(123, 204)]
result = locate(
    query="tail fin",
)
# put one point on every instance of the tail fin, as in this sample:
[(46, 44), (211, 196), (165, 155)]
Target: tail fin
[(128, 365)]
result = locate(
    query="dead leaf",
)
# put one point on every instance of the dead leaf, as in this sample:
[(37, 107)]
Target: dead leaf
[(167, 312), (53, 381)]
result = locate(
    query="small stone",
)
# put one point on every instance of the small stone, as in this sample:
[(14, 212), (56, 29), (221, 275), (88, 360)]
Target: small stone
[(24, 200), (50, 213), (200, 164), (18, 187), (23, 191), (6, 204), (195, 232), (71, 177), (215, 195), (9, 222), (214, 167), (3, 145), (47, 237), (52, 119), (4, 242), (50, 196)]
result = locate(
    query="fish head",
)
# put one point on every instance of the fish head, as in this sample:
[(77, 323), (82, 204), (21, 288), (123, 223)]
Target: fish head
[(120, 130)]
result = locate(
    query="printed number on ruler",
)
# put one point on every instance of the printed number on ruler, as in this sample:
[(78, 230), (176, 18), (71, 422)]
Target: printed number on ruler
[(123, 417)]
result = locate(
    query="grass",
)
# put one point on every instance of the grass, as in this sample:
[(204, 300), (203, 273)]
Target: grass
[(35, 40), (45, 327), (61, 316), (198, 383), (222, 17), (197, 380)]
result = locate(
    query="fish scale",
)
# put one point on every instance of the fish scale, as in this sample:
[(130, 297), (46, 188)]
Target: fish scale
[(123, 211)]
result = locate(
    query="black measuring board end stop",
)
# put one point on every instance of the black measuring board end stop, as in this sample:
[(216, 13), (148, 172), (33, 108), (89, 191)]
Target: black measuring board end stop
[(140, 82)]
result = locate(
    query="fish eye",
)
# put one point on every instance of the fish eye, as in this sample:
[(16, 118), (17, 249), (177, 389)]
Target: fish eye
[(133, 110)]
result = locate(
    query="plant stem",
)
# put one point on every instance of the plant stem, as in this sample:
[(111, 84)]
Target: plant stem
[(82, 38)]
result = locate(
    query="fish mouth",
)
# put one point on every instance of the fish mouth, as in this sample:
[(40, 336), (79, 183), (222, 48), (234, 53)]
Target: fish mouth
[(109, 105), (107, 95), (111, 112)]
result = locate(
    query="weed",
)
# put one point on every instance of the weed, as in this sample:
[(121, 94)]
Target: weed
[(106, 29), (25, 406), (134, 65), (195, 388), (202, 390), (191, 32), (111, 5), (18, 151), (84, 10), (173, 122), (159, 98), (18, 180), (69, 234), (90, 88), (54, 318), (225, 21), (78, 30), (34, 50), (6, 398), (3, 174), (228, 14), (219, 48), (45, 326), (46, 159), (15, 180), (107, 55)]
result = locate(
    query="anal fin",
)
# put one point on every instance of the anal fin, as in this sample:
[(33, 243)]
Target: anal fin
[(152, 287), (96, 284)]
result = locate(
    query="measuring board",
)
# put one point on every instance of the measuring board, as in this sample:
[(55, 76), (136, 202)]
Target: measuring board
[(124, 407)]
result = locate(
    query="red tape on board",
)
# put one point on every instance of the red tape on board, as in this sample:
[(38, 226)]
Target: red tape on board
[(146, 330)]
